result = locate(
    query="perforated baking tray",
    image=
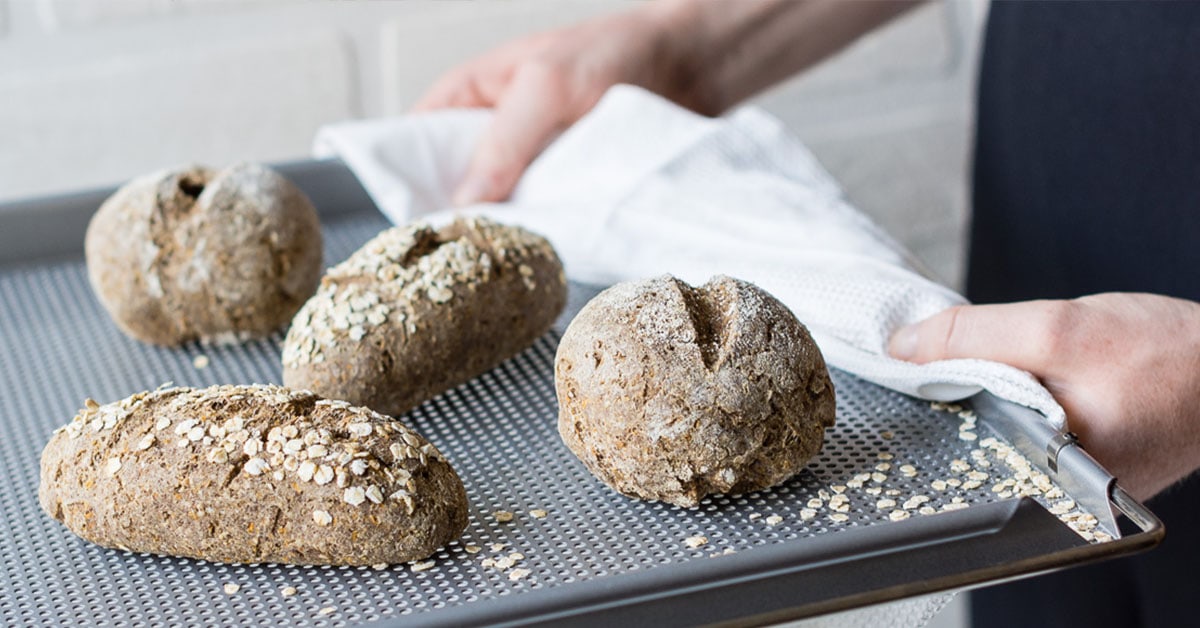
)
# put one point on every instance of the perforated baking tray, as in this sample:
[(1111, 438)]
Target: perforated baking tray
[(826, 541)]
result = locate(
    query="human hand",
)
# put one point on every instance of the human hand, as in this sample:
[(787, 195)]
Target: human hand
[(542, 84), (706, 56), (1125, 367)]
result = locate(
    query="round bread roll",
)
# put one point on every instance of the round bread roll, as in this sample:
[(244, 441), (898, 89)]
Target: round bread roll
[(249, 474), (418, 310), (193, 254), (669, 392)]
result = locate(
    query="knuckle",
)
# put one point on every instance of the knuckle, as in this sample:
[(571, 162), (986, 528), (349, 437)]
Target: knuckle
[(544, 71), (547, 75), (950, 331)]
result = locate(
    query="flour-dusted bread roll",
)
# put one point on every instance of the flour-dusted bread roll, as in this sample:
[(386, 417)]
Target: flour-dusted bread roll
[(669, 392), (248, 474), (417, 311), (195, 254)]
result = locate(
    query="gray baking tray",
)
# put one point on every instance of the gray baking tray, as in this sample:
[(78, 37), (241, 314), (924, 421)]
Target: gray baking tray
[(595, 557)]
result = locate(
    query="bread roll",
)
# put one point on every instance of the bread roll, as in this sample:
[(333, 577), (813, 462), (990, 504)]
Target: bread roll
[(419, 310), (248, 474), (669, 392), (194, 254)]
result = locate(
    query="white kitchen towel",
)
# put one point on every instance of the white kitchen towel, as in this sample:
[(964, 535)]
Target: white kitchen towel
[(640, 187)]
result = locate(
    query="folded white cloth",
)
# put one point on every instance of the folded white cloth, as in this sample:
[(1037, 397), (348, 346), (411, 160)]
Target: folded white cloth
[(641, 187)]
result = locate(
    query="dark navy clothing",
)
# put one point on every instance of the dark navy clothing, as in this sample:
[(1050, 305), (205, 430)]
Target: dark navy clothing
[(1087, 179), (1087, 162)]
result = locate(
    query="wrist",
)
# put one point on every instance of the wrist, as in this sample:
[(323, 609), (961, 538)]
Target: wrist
[(683, 37)]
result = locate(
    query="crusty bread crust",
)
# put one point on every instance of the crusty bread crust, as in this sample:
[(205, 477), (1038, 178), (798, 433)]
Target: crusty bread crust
[(195, 254), (669, 392), (417, 311), (249, 474)]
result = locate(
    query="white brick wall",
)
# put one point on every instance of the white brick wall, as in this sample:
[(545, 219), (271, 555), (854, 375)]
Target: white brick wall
[(95, 91)]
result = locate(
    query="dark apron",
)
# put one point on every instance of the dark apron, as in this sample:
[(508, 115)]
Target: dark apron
[(1087, 179)]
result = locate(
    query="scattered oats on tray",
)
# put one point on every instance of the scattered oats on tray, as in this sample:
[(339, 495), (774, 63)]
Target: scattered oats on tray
[(518, 574)]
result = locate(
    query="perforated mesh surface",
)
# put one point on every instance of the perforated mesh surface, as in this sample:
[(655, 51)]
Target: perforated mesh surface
[(58, 347)]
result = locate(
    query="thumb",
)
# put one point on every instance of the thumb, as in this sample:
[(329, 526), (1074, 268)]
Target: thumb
[(526, 119), (1018, 334)]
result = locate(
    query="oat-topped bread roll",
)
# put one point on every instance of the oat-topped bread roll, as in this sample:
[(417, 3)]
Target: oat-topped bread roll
[(195, 254), (249, 474), (417, 311), (669, 392)]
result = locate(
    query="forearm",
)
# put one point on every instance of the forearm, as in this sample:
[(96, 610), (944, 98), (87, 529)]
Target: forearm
[(733, 50)]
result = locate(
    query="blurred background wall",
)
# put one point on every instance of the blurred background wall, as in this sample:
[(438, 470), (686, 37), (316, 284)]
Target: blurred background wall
[(95, 91)]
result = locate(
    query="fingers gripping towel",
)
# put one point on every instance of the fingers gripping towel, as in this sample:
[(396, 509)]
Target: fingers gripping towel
[(641, 187)]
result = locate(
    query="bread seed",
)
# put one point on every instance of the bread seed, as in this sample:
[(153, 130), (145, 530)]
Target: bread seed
[(112, 466), (323, 475), (503, 516), (696, 541), (322, 518), (231, 588), (256, 466), (305, 471), (538, 513), (200, 362), (354, 495), (424, 565), (287, 591)]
